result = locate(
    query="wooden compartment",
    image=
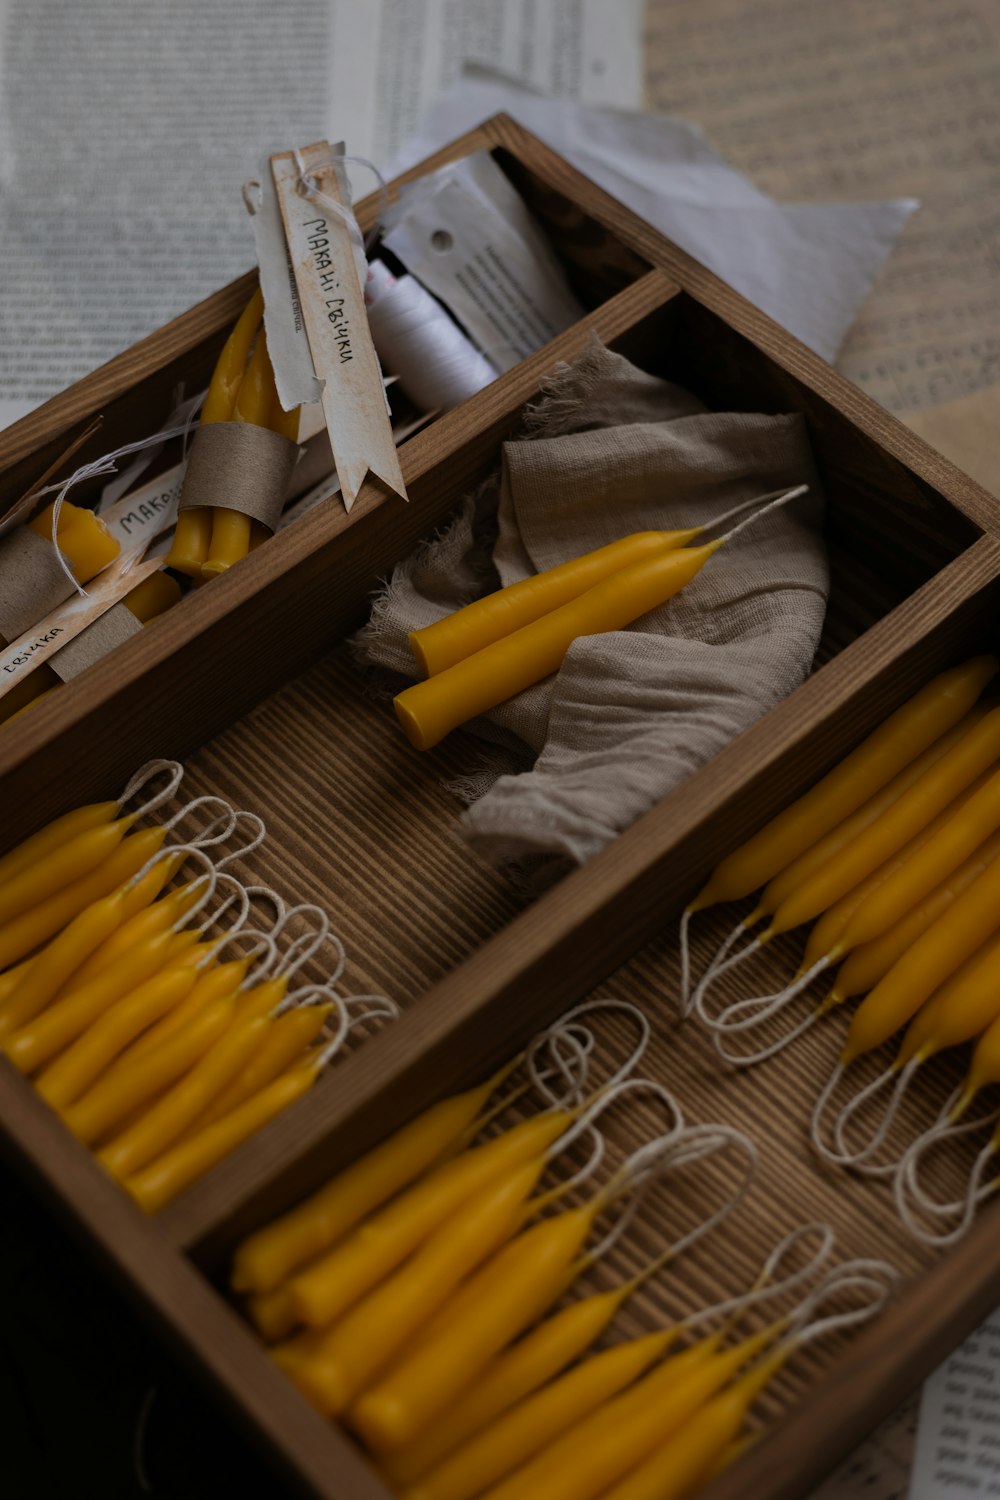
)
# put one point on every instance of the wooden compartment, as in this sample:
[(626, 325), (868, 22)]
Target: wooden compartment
[(248, 681)]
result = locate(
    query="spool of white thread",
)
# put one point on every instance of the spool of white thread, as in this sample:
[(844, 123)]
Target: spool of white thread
[(415, 339)]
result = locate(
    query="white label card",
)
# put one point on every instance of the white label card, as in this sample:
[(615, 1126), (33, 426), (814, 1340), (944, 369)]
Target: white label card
[(321, 248)]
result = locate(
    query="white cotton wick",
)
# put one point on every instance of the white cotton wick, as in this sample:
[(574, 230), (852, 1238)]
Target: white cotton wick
[(416, 339)]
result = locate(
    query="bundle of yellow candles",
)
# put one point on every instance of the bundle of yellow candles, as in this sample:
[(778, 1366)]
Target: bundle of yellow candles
[(496, 647), (207, 541), (895, 857), (413, 1294), (157, 1051)]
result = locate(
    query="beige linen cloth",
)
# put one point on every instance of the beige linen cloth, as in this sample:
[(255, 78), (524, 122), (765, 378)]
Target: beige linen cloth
[(632, 713)]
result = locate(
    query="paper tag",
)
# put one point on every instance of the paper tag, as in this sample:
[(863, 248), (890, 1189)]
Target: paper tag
[(149, 510), (485, 264), (286, 333), (322, 253), (69, 620), (958, 1452)]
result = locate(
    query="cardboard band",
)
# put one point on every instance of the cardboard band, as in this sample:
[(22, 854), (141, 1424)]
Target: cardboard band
[(113, 629), (31, 581), (238, 466)]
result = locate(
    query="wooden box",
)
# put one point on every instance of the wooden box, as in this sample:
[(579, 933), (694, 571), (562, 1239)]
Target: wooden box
[(246, 681)]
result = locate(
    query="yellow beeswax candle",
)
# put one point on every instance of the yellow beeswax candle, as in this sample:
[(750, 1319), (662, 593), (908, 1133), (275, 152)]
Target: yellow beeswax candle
[(439, 646), (22, 934), (223, 979), (266, 1257), (506, 1296), (193, 532), (282, 1044), (364, 1341), (325, 1290), (154, 595), (512, 1375), (430, 710), (54, 835), (42, 1038), (686, 1459), (515, 1438), (184, 1163), (72, 1073), (130, 1083), (904, 735), (60, 960), (60, 868), (254, 403), (170, 1115), (596, 1452), (84, 539)]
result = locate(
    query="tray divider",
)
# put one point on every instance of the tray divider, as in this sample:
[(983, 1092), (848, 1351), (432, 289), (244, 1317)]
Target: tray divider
[(579, 932), (196, 669)]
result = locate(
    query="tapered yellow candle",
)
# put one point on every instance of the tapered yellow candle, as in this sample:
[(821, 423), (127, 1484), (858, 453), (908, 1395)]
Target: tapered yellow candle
[(254, 403), (130, 1083), (516, 1437), (224, 979), (363, 1342), (68, 1019), (169, 1116), (511, 1376), (895, 744), (22, 934), (72, 1073), (505, 1297), (53, 836), (597, 1451), (147, 918), (193, 532), (60, 960), (430, 710), (468, 630), (331, 1285), (266, 1257), (281, 1045), (177, 1168)]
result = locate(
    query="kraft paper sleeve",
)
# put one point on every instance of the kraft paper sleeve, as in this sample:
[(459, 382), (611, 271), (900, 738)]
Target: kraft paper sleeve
[(113, 629), (31, 581), (239, 466)]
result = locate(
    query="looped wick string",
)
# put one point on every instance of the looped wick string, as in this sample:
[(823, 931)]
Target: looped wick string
[(146, 774)]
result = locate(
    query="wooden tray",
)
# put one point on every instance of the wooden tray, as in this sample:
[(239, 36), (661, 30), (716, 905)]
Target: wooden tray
[(246, 680)]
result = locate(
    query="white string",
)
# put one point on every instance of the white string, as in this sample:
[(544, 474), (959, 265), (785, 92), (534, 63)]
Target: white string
[(860, 1159), (907, 1181), (145, 774), (225, 818), (257, 834), (778, 497), (765, 1286), (783, 499), (876, 1276), (373, 1007), (711, 975), (415, 338), (94, 470), (748, 1059), (670, 1152)]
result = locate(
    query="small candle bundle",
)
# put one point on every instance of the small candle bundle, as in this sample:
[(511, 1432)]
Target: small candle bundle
[(115, 997), (33, 581), (150, 598), (242, 457), (498, 646)]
